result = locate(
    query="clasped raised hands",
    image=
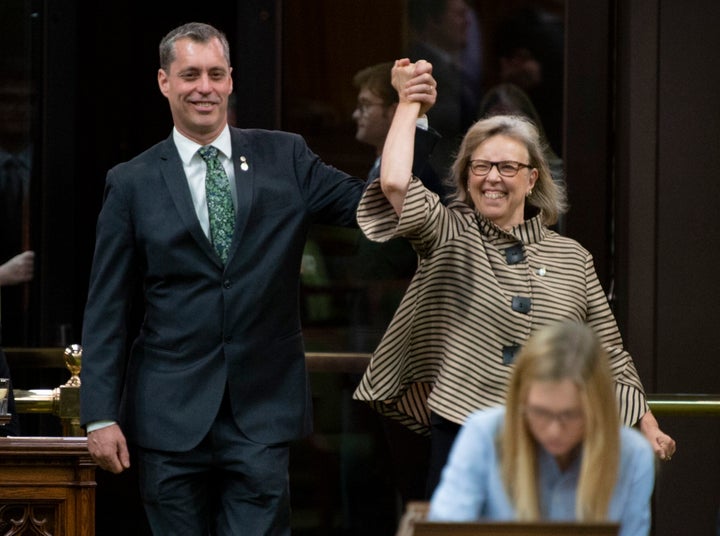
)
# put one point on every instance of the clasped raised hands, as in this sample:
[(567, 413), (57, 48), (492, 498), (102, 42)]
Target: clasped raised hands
[(414, 83)]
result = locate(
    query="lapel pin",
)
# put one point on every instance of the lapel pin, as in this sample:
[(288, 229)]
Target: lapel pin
[(243, 163)]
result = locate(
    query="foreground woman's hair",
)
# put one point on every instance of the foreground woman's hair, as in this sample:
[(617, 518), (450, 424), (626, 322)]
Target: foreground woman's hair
[(564, 351)]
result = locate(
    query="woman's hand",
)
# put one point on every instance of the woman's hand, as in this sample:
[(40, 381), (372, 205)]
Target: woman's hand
[(414, 83), (663, 445)]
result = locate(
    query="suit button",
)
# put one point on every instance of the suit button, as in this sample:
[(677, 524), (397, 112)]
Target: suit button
[(226, 283)]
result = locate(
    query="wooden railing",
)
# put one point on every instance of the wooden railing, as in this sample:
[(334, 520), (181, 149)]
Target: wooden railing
[(41, 401)]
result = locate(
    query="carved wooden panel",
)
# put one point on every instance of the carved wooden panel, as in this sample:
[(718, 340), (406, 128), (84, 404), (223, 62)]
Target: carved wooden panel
[(47, 487), (28, 518)]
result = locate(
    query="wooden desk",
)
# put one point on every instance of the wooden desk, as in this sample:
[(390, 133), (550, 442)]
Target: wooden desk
[(47, 487), (414, 523), (428, 528)]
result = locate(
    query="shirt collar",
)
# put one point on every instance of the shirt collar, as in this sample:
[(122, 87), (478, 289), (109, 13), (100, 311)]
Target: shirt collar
[(550, 472), (188, 148), (529, 231)]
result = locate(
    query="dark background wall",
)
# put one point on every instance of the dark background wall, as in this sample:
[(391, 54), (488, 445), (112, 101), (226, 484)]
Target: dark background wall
[(642, 148)]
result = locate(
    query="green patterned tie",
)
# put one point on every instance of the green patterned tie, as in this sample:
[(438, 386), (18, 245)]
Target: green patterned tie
[(219, 202)]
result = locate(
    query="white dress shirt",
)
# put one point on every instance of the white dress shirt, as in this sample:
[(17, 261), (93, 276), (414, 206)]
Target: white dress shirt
[(195, 169)]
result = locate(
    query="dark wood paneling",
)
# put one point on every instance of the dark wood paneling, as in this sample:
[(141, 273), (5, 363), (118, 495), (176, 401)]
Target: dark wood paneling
[(688, 236), (635, 183), (688, 232), (588, 129), (667, 153)]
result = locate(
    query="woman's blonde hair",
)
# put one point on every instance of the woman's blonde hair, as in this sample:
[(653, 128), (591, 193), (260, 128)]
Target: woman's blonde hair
[(571, 351), (548, 196)]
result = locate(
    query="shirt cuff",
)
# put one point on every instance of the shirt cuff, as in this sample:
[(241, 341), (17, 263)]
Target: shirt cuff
[(422, 122), (91, 427)]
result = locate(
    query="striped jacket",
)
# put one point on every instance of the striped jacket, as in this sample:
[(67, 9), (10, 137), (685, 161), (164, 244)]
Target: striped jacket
[(477, 295)]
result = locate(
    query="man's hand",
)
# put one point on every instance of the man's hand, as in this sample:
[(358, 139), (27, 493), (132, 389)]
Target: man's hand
[(414, 83), (19, 269), (108, 448)]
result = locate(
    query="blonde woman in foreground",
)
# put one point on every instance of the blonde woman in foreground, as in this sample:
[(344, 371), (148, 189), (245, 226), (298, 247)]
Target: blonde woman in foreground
[(557, 450)]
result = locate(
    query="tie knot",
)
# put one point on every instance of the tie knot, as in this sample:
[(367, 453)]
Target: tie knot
[(208, 152)]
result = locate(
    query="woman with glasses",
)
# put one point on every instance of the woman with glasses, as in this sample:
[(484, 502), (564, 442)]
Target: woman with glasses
[(556, 451), (490, 273)]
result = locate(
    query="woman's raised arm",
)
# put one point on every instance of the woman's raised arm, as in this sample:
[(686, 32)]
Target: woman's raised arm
[(417, 92)]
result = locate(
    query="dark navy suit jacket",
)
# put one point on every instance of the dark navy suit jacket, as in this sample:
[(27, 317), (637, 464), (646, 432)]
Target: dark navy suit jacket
[(206, 325)]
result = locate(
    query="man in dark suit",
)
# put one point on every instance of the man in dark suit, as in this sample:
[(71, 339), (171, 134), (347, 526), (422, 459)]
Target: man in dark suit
[(215, 385)]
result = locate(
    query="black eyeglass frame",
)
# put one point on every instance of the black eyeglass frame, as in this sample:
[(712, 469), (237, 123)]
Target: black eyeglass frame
[(506, 168)]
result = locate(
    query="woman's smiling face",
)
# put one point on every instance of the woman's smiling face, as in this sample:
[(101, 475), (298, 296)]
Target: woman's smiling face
[(499, 198)]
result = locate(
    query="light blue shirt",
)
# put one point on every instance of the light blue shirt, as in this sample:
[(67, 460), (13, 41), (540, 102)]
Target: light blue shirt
[(471, 487)]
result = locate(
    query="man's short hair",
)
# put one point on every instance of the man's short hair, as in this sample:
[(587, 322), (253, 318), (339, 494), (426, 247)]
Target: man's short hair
[(377, 78)]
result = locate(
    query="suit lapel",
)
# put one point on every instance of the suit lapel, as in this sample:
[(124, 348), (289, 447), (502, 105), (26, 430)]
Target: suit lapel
[(244, 178), (174, 175)]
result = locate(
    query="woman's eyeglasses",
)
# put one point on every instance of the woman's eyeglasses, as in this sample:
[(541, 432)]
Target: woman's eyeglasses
[(544, 417), (506, 168)]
